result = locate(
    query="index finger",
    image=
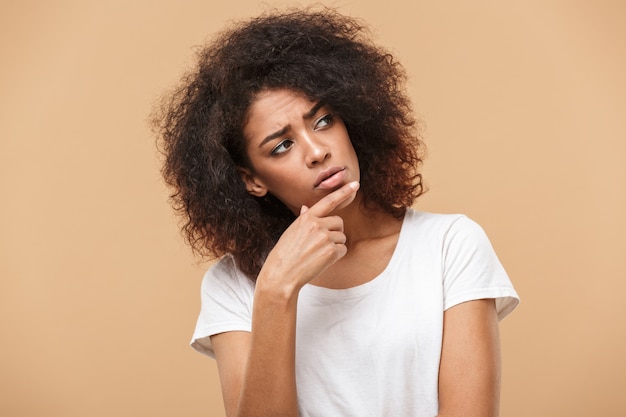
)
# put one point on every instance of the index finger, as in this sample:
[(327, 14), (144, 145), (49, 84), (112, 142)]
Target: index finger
[(326, 205)]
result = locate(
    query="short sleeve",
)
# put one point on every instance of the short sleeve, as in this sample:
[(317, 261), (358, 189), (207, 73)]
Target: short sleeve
[(472, 270), (226, 304)]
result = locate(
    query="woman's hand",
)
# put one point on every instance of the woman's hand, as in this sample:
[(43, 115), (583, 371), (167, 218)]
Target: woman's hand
[(313, 242), (257, 369)]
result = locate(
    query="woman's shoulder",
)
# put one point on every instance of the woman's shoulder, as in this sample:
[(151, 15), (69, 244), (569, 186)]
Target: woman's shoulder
[(225, 273), (433, 221), (441, 227)]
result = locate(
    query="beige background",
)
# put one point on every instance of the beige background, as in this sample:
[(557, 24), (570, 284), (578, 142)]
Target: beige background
[(524, 108)]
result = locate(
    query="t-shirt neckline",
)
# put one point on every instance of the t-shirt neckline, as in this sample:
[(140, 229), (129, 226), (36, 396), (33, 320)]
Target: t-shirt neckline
[(363, 289)]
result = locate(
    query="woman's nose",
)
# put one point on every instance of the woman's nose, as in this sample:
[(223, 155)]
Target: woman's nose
[(316, 151)]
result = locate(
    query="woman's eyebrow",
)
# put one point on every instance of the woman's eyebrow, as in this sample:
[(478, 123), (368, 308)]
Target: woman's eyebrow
[(308, 115), (313, 110), (274, 135)]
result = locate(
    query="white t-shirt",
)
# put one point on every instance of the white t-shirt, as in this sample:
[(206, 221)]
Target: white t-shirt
[(374, 349)]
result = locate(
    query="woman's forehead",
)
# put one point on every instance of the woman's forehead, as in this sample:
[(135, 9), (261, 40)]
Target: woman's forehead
[(279, 104)]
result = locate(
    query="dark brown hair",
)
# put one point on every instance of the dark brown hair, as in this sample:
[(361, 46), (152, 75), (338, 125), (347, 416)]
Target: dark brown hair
[(321, 53)]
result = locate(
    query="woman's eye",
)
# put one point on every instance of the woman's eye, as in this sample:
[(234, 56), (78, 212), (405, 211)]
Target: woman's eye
[(324, 121), (283, 146)]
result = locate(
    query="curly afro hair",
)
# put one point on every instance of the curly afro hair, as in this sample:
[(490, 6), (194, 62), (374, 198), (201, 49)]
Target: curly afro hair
[(326, 56)]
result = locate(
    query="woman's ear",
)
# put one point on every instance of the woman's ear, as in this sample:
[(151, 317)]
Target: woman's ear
[(253, 185)]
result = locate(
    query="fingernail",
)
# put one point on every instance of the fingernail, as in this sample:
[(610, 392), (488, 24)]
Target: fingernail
[(354, 185)]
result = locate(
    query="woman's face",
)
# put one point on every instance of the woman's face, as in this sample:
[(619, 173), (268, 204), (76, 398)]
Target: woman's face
[(298, 150)]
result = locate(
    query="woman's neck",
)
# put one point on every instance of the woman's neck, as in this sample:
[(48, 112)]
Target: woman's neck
[(372, 235), (362, 223)]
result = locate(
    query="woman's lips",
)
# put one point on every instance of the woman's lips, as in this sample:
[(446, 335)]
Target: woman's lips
[(330, 178)]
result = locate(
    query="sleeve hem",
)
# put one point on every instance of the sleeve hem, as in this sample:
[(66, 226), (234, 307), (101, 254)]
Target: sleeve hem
[(201, 340), (506, 299)]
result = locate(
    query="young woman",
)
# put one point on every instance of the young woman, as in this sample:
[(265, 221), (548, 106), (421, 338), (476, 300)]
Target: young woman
[(294, 158)]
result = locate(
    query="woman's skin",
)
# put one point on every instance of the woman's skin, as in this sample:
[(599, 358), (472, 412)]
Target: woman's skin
[(301, 153), (293, 144)]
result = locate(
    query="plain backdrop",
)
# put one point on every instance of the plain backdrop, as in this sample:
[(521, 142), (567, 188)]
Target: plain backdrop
[(523, 106)]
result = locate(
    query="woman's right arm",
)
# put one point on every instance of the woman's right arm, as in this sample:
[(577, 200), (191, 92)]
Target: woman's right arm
[(257, 369)]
